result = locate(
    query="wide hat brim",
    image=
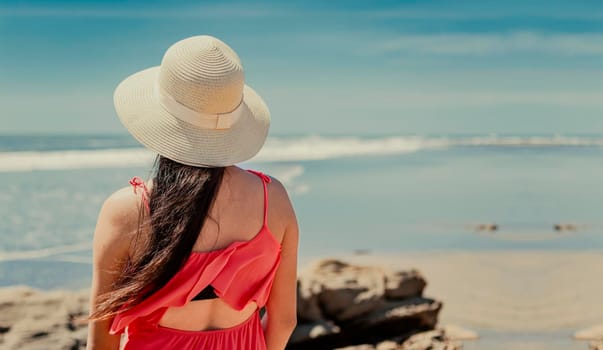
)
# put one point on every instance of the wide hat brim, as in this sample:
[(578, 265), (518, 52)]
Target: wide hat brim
[(140, 111)]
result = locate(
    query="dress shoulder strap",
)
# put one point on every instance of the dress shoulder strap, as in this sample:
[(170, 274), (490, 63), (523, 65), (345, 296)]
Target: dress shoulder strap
[(265, 180), (137, 183)]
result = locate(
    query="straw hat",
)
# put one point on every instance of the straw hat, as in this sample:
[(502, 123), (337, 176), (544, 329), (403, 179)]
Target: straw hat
[(195, 108)]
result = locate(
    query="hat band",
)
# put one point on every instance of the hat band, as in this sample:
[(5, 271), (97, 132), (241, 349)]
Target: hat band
[(203, 120)]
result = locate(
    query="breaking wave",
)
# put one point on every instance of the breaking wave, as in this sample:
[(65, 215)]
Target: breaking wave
[(283, 150)]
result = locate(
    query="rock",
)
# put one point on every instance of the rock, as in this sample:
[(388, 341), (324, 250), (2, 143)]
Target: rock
[(388, 345), (455, 332), (358, 347), (308, 331), (396, 317), (431, 340), (308, 309), (592, 333), (565, 227), (385, 345), (315, 335), (404, 284), (344, 306), (349, 291), (338, 290), (486, 227)]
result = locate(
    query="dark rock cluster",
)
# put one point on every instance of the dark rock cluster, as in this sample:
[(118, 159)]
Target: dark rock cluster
[(345, 306)]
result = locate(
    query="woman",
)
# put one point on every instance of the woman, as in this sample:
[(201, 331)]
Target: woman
[(187, 260)]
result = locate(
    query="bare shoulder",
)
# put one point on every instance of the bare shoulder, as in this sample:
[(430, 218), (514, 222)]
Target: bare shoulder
[(277, 188), (280, 202), (122, 206), (118, 218)]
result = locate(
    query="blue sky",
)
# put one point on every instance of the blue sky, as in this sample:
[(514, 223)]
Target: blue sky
[(336, 67)]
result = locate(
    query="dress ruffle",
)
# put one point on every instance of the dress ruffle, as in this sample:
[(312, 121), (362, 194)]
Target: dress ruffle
[(240, 273)]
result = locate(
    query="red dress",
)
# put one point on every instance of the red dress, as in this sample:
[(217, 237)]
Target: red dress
[(240, 273)]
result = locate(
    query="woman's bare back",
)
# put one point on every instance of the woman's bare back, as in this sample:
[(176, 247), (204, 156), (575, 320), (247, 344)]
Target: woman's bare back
[(236, 215)]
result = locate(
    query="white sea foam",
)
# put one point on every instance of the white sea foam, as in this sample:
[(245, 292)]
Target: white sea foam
[(288, 175), (44, 252), (75, 159), (282, 150)]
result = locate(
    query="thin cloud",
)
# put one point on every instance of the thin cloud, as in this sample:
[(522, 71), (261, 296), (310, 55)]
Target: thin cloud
[(475, 15), (213, 11), (433, 98), (474, 98), (245, 10), (496, 44)]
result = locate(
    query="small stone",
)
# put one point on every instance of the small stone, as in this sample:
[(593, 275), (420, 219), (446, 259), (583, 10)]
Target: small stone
[(455, 332), (431, 340), (39, 334), (313, 330), (387, 345), (358, 347)]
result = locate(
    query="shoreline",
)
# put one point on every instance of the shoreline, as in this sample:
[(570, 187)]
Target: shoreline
[(527, 299), (520, 286), (513, 299)]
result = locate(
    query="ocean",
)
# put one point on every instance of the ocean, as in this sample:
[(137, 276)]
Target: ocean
[(352, 194)]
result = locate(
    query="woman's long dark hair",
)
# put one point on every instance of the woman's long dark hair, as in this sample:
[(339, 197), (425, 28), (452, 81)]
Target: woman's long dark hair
[(180, 201)]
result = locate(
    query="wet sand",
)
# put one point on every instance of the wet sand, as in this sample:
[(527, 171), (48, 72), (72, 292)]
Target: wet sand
[(513, 299)]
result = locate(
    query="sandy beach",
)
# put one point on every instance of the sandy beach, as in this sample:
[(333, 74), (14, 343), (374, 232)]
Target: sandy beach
[(513, 299)]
